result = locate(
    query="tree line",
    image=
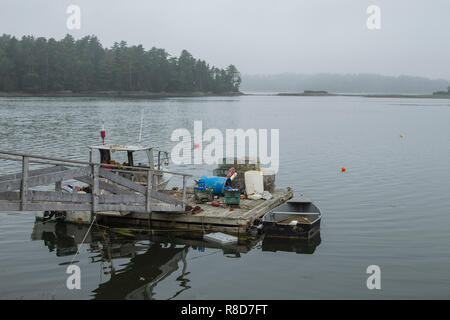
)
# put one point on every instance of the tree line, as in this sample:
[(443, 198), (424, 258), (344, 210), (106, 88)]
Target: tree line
[(40, 65)]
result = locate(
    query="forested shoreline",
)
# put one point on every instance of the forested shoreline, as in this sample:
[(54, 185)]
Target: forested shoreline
[(44, 66)]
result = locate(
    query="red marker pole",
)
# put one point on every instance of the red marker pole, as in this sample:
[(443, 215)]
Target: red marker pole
[(103, 132)]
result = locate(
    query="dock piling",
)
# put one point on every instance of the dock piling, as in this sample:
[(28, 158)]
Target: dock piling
[(24, 183)]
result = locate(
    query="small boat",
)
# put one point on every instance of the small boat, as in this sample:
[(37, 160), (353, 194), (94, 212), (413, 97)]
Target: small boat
[(296, 218)]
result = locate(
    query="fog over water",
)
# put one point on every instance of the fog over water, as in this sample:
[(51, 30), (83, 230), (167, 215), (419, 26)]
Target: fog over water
[(260, 36), (389, 208)]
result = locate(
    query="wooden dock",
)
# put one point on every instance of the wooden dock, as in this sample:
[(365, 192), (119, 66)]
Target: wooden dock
[(109, 189), (116, 199), (209, 219)]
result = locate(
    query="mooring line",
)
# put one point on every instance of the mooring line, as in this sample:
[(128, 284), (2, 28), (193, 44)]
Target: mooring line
[(82, 242), (205, 255)]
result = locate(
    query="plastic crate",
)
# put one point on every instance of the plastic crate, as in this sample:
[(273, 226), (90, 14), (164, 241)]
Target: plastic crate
[(203, 195), (232, 196)]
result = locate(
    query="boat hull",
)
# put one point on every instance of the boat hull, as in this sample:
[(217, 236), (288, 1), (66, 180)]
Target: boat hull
[(298, 231), (301, 246), (297, 218)]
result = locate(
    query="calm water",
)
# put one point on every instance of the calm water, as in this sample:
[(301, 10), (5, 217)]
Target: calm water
[(391, 208)]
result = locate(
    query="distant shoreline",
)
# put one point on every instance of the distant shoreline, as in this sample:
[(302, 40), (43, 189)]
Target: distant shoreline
[(414, 96), (117, 94), (132, 94)]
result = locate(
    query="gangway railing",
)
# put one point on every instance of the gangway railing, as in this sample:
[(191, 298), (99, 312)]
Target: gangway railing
[(123, 194)]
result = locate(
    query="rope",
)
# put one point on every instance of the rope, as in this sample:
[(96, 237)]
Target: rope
[(85, 236), (205, 255)]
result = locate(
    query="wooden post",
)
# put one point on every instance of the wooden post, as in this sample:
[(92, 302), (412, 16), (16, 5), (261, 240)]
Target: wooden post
[(154, 180), (58, 184), (184, 192), (148, 198), (23, 185), (95, 188)]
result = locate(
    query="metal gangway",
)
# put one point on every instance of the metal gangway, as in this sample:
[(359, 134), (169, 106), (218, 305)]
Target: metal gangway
[(111, 191)]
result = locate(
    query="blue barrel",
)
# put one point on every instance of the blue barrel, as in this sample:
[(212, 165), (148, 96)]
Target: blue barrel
[(218, 184)]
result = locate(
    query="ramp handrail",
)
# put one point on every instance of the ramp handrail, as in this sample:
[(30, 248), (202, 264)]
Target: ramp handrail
[(143, 169), (88, 172)]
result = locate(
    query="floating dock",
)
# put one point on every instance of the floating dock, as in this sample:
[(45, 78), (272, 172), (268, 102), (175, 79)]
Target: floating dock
[(208, 219), (115, 198)]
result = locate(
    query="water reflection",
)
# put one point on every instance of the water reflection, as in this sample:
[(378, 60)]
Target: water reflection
[(138, 277), (292, 245), (61, 238), (134, 261)]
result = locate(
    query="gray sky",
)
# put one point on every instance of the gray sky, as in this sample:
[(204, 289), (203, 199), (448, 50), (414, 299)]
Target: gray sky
[(260, 36)]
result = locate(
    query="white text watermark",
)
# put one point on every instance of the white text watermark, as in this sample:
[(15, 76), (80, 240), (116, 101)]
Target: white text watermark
[(234, 145), (74, 18), (374, 280)]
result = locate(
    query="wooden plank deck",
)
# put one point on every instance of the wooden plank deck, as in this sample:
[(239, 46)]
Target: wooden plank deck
[(208, 219)]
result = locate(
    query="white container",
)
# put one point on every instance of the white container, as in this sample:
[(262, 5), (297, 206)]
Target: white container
[(221, 238), (254, 182)]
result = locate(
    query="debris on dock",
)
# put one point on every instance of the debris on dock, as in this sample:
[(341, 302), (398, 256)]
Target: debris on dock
[(206, 218), (127, 194)]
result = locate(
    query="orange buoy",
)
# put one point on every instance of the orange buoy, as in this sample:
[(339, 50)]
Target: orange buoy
[(343, 169)]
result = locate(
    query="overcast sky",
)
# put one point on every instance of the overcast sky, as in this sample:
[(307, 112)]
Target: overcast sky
[(260, 36)]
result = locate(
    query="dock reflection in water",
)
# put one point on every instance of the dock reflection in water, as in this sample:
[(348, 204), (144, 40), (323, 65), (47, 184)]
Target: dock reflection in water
[(152, 255)]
